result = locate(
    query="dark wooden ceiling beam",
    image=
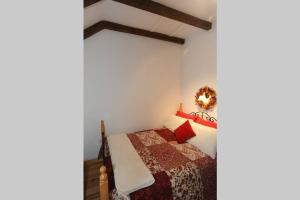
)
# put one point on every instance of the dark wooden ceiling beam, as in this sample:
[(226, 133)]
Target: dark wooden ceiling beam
[(127, 29), (94, 29), (168, 12), (90, 2)]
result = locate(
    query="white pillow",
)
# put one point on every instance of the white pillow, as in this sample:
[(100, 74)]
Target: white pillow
[(205, 139), (174, 122)]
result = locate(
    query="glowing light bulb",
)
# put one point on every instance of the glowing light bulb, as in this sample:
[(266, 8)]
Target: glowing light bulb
[(204, 99)]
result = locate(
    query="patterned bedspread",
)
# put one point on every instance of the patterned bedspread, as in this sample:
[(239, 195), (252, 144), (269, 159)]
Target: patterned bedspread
[(181, 171)]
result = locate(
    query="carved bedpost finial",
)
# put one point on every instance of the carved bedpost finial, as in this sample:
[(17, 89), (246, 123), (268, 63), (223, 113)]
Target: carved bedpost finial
[(103, 175), (103, 184), (181, 107)]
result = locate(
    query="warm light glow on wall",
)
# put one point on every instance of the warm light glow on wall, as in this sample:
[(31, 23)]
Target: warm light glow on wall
[(206, 98)]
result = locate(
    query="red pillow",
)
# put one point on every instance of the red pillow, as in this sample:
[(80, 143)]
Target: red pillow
[(186, 116), (199, 120), (184, 132)]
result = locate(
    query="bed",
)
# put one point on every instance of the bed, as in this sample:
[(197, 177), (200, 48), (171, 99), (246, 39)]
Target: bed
[(179, 171)]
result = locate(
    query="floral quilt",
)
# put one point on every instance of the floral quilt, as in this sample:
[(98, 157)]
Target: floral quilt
[(181, 171)]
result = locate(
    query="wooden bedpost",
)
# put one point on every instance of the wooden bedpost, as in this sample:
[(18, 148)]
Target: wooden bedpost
[(103, 180), (180, 107), (103, 184)]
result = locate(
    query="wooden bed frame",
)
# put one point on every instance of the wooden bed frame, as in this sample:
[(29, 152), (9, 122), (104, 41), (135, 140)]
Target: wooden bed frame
[(103, 179)]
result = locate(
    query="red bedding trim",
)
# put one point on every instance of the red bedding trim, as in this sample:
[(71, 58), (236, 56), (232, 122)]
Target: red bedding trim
[(199, 120), (185, 115)]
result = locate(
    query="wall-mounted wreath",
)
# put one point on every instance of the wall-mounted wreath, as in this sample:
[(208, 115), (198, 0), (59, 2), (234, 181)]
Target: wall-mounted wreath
[(206, 98)]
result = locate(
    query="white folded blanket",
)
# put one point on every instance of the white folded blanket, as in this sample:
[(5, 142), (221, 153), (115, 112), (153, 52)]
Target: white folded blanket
[(130, 172)]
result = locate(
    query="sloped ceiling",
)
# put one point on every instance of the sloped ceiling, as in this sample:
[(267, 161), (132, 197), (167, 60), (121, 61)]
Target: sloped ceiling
[(119, 13)]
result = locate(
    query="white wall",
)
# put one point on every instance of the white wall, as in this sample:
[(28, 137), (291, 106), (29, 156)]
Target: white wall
[(131, 82), (199, 67)]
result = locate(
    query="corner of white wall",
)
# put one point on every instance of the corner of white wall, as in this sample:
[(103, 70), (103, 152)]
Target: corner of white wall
[(199, 67)]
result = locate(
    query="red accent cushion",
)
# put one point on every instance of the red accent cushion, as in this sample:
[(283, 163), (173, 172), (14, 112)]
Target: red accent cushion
[(184, 132), (186, 116), (199, 120)]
